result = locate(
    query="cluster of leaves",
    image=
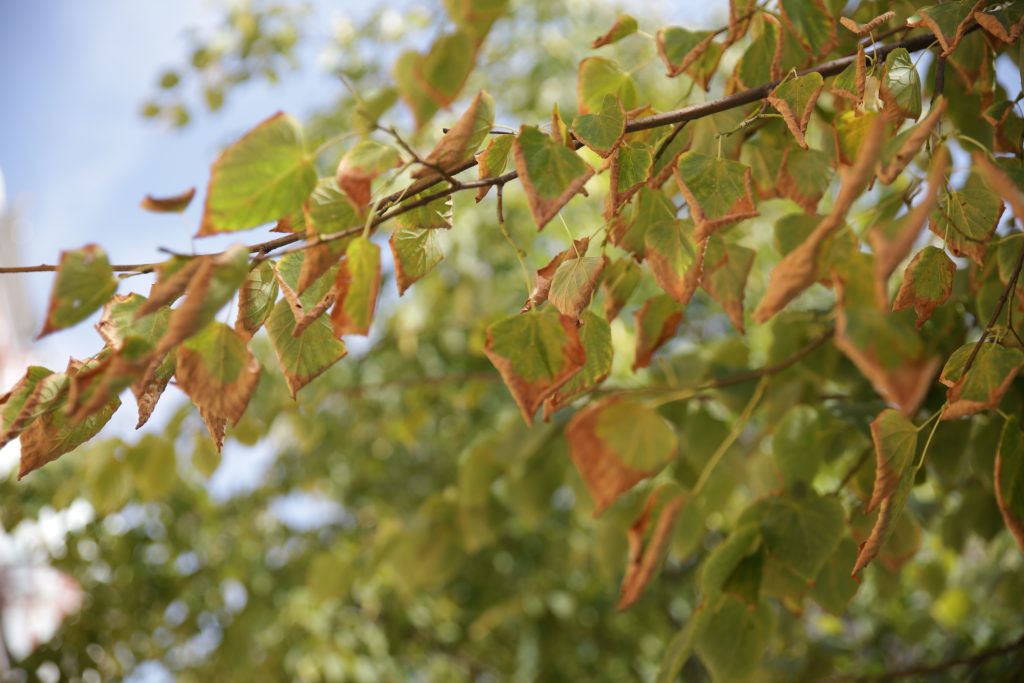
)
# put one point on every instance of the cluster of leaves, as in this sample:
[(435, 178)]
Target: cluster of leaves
[(839, 315)]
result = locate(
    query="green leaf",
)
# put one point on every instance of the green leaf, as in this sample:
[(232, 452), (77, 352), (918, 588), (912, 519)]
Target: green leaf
[(551, 173), (154, 467), (492, 161), (412, 88), (574, 283), (743, 543), (446, 66), (755, 66), (895, 439), (620, 280), (596, 338), (628, 230), (416, 252), (631, 167), (306, 357), (599, 77), (536, 353), (616, 443), (357, 287), (812, 23), (1009, 478), (84, 282), (799, 533), (602, 131), (901, 87), (218, 372), (677, 653), (1005, 23), (948, 21), (256, 298), (674, 257), (988, 379), (361, 165), (795, 100), (462, 139), (804, 176), (927, 283), (798, 445), (262, 177), (731, 639), (834, 587), (724, 276), (476, 16), (967, 218), (718, 191), (624, 25), (656, 323), (435, 215), (692, 52)]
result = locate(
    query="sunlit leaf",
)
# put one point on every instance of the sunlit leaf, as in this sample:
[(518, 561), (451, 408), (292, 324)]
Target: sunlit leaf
[(718, 191), (624, 25), (83, 284), (602, 130), (574, 283), (416, 252), (306, 357), (256, 298), (462, 139), (599, 77), (491, 162), (357, 286), (551, 174), (361, 165), (901, 87)]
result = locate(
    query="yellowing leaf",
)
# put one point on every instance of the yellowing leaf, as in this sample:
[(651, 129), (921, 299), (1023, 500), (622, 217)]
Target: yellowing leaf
[(967, 218), (985, 383), (901, 87), (536, 353), (927, 283), (895, 439), (667, 500), (795, 100), (306, 357), (219, 373), (624, 26), (83, 284), (262, 177), (360, 165), (574, 283), (692, 52), (674, 257), (602, 131), (55, 434), (545, 275), (724, 277), (328, 211), (631, 167), (616, 443), (256, 298), (599, 77), (718, 191), (551, 173), (357, 287), (596, 338), (18, 405), (462, 140), (620, 280), (1008, 479), (804, 175), (173, 204), (416, 252), (435, 215), (656, 323), (443, 71), (492, 161)]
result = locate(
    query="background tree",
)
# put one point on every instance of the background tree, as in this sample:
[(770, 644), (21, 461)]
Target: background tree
[(795, 453)]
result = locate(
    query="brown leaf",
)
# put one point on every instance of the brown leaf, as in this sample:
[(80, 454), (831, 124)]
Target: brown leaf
[(644, 559), (656, 323), (864, 29), (948, 43), (314, 313), (992, 24), (462, 139), (544, 205), (797, 121), (891, 170), (169, 287), (173, 204), (545, 275)]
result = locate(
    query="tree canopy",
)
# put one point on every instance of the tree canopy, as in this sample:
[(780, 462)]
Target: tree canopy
[(700, 361)]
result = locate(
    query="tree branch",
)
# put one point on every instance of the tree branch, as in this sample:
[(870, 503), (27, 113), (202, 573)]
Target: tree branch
[(669, 118)]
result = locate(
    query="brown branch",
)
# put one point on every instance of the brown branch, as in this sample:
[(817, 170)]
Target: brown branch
[(927, 669), (669, 118)]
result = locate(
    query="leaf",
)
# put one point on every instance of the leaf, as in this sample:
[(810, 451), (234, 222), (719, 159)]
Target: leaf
[(55, 434), (731, 639), (795, 99), (615, 443), (1009, 478), (866, 29), (1005, 23), (927, 283), (624, 25), (596, 337), (462, 139), (650, 207), (761, 62), (256, 298), (645, 558), (895, 439), (219, 373), (799, 533), (631, 167), (985, 383), (361, 165), (357, 287), (476, 16), (83, 284), (574, 283), (551, 174), (536, 353), (718, 191), (724, 277), (804, 176), (412, 88), (416, 252), (812, 23), (740, 15), (691, 52), (677, 653), (599, 77), (656, 323), (901, 86), (262, 177), (306, 357), (967, 218), (911, 144), (851, 129), (850, 83), (327, 212), (740, 547), (674, 257), (620, 280), (435, 215), (948, 21), (602, 131), (18, 404), (545, 276), (173, 204), (834, 587), (492, 161), (443, 71)]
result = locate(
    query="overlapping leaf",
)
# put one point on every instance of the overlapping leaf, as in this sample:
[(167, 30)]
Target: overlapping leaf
[(551, 173), (357, 287), (415, 252), (603, 129), (987, 380), (596, 337), (663, 506), (599, 77), (927, 283), (462, 139), (795, 100), (656, 323), (674, 257), (724, 276), (83, 284), (718, 191), (361, 165), (948, 21)]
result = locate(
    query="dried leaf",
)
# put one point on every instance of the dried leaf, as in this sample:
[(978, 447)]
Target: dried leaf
[(795, 100), (890, 168), (645, 558), (865, 29), (948, 21), (726, 268), (927, 283), (551, 174), (988, 379), (463, 139), (596, 338), (619, 282), (1005, 23), (357, 287), (624, 26), (656, 323), (172, 204), (361, 165)]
